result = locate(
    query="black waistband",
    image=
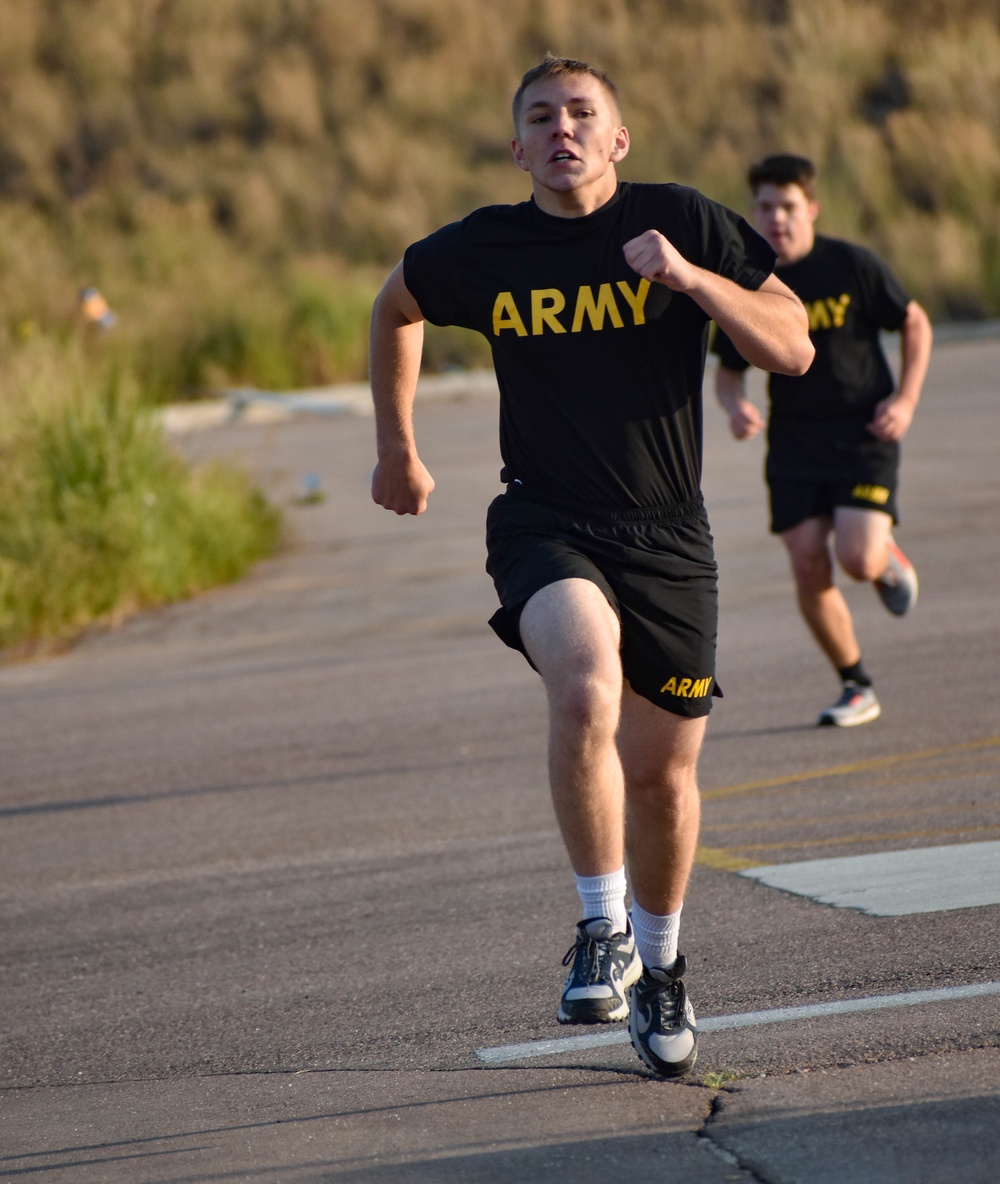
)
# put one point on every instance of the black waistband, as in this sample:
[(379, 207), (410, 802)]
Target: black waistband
[(676, 512)]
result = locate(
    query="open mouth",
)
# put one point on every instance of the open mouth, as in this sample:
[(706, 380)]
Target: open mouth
[(562, 157)]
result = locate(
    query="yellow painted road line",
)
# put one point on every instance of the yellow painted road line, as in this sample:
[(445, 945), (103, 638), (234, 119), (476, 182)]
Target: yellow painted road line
[(825, 819), (795, 845), (882, 762), (722, 859)]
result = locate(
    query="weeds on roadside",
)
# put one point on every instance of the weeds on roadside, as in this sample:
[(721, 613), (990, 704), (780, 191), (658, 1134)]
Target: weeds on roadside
[(721, 1078), (99, 518)]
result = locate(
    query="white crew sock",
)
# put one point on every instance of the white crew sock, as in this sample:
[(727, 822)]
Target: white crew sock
[(604, 896), (656, 937)]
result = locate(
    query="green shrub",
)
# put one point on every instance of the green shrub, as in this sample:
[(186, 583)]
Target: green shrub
[(99, 518)]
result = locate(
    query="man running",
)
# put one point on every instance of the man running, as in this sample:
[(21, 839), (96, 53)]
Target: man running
[(596, 296), (834, 432)]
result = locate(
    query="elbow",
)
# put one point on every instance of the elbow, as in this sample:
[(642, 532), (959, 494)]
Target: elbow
[(803, 359), (799, 347), (794, 360)]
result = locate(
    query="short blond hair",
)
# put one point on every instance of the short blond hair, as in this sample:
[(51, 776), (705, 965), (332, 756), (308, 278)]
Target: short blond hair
[(553, 67)]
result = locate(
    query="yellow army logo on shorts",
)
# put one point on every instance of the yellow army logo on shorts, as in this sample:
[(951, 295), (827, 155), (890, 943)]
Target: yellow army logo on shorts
[(687, 688), (871, 493)]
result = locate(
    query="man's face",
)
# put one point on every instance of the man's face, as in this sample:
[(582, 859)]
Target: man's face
[(569, 134), (785, 216)]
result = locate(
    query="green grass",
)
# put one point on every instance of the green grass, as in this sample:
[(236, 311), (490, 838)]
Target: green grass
[(720, 1079), (99, 518)]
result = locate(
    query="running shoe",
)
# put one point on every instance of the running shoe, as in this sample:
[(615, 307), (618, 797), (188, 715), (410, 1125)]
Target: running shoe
[(856, 705), (604, 965), (662, 1024), (897, 585)]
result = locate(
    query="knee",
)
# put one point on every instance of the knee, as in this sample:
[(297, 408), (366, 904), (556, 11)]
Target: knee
[(813, 571), (669, 789), (860, 562), (587, 701)]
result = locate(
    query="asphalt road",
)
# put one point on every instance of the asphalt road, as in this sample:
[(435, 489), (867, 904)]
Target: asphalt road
[(280, 873)]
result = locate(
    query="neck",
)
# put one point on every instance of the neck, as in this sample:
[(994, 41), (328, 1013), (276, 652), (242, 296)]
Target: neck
[(576, 203), (787, 260)]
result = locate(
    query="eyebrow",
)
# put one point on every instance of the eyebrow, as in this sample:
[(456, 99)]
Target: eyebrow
[(540, 104)]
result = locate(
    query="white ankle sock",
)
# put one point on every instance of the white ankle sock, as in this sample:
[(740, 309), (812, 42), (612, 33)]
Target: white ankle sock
[(604, 896), (656, 936)]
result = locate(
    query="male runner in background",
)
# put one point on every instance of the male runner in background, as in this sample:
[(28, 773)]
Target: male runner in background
[(834, 432), (596, 298)]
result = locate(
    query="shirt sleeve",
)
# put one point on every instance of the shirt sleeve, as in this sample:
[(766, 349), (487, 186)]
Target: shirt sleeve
[(427, 264), (885, 296), (729, 245)]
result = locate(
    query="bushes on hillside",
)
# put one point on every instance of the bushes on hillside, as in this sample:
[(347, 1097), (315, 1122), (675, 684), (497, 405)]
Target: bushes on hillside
[(238, 176)]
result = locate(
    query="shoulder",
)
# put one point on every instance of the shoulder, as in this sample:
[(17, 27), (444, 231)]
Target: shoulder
[(853, 253), (679, 209), (662, 195), (483, 223)]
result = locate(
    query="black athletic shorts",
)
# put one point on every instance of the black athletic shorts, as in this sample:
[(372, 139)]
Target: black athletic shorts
[(793, 499), (656, 566)]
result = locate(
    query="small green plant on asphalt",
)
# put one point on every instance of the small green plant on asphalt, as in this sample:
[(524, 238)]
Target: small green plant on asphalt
[(719, 1079), (100, 518)]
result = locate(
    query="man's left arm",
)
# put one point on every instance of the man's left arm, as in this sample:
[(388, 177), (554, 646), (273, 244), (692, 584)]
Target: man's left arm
[(894, 415), (768, 326)]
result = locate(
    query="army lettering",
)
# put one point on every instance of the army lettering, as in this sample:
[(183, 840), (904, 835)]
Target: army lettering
[(549, 310), (686, 688), (828, 313)]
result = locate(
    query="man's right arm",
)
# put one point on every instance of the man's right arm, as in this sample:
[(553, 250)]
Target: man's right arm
[(745, 420), (400, 482)]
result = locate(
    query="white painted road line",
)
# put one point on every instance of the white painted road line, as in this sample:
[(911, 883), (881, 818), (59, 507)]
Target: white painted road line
[(895, 883), (747, 1019)]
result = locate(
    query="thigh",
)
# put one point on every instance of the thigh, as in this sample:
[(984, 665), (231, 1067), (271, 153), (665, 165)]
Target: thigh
[(530, 547), (808, 543), (861, 536), (570, 631)]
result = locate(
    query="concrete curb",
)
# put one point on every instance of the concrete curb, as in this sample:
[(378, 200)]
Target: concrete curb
[(251, 405), (354, 398)]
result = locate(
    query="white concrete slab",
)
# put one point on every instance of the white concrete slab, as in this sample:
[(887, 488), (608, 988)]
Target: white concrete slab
[(895, 883)]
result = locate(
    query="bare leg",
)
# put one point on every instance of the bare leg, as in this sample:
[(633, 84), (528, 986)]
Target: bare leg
[(572, 636), (659, 753), (861, 539), (820, 600)]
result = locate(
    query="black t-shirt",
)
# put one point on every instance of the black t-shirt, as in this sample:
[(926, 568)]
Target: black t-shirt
[(600, 372), (818, 422)]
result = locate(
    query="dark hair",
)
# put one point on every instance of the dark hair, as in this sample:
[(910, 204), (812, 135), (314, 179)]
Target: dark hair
[(784, 169), (553, 67)]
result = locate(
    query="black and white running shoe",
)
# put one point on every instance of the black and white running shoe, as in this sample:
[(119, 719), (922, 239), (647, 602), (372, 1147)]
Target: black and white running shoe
[(604, 965), (662, 1023)]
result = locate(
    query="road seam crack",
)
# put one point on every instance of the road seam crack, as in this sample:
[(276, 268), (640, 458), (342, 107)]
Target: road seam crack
[(709, 1142)]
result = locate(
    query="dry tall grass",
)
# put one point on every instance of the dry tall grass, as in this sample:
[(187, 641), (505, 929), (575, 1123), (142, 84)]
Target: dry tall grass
[(236, 176)]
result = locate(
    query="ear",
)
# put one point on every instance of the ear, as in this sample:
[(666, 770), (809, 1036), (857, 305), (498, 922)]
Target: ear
[(813, 211), (620, 145), (517, 148)]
